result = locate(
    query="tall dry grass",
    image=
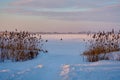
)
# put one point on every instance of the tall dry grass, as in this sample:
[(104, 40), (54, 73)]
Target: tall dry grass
[(19, 46), (102, 43)]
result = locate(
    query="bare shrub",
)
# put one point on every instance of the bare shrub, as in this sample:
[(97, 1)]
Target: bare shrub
[(102, 43), (19, 46)]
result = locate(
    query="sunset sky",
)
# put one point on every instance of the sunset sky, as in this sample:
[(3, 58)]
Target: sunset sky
[(59, 15)]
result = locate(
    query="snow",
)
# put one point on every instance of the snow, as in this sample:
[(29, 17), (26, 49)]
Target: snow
[(66, 69), (112, 56), (62, 62), (39, 66), (101, 70), (4, 70)]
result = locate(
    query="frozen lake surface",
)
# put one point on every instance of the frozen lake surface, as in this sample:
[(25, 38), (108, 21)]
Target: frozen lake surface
[(62, 62)]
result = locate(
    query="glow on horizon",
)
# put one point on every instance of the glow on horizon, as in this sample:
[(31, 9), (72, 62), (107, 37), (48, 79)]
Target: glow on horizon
[(72, 9)]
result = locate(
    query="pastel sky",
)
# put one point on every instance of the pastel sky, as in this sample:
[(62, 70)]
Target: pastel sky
[(60, 15)]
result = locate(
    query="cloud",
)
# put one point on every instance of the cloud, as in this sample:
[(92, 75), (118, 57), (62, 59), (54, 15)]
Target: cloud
[(21, 2), (42, 3), (86, 10), (64, 3)]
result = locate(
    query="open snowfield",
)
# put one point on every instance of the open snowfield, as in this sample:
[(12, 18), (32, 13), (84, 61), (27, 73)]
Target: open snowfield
[(62, 62)]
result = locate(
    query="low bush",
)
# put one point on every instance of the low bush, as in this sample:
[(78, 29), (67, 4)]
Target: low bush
[(102, 43), (19, 46)]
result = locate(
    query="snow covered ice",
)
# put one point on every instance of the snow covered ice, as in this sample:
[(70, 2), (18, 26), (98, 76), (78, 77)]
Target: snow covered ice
[(62, 62)]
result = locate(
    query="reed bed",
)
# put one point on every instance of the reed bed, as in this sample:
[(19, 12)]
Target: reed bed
[(19, 46), (102, 43)]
